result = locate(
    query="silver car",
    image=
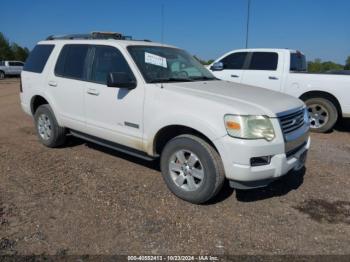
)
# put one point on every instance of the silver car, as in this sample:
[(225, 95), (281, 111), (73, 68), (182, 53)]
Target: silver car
[(10, 68)]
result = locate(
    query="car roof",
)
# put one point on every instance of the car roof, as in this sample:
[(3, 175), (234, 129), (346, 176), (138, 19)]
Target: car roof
[(266, 50), (123, 43)]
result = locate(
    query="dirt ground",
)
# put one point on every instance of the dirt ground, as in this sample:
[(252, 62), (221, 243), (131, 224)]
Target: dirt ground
[(85, 199)]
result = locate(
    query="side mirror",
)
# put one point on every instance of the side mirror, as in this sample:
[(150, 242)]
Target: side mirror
[(120, 80), (218, 66)]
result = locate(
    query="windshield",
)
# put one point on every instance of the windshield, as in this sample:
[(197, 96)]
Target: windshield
[(297, 62), (164, 64)]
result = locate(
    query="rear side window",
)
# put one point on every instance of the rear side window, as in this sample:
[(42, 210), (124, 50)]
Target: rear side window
[(108, 59), (234, 61), (2, 63), (15, 64), (38, 58), (71, 62), (297, 62), (263, 61)]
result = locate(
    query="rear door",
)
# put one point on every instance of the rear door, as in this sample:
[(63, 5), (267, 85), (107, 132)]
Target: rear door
[(67, 82), (114, 114), (264, 69), (234, 64)]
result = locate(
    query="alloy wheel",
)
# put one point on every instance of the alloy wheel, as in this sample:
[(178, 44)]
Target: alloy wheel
[(186, 170), (318, 115), (44, 127)]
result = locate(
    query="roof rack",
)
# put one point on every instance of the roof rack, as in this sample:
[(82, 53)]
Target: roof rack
[(92, 35)]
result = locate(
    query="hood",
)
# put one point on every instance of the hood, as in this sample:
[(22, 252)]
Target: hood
[(242, 99)]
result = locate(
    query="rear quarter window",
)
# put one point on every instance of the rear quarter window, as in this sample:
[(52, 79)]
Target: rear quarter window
[(37, 58), (297, 62)]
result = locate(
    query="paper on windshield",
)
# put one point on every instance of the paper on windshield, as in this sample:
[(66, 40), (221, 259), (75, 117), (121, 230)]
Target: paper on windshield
[(155, 60)]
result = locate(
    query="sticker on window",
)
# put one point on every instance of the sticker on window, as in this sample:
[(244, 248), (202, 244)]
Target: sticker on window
[(155, 60)]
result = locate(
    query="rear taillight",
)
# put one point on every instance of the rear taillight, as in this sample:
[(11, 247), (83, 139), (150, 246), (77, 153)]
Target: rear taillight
[(20, 85)]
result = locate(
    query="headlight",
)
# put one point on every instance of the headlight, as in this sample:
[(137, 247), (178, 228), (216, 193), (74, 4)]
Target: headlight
[(249, 127)]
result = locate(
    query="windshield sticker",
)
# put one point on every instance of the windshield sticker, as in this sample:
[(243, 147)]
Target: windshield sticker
[(155, 60)]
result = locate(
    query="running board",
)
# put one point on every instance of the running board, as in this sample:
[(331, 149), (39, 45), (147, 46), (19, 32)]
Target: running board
[(112, 145)]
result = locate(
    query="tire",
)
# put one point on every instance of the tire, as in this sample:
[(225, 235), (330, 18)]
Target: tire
[(2, 75), (204, 167), (49, 132), (321, 108)]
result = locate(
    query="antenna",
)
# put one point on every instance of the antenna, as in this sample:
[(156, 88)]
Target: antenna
[(162, 25), (248, 17)]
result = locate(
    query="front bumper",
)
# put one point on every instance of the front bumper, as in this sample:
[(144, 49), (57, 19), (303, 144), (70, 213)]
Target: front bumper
[(236, 155)]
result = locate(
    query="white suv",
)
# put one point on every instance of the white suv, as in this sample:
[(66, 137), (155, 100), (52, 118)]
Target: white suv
[(153, 100)]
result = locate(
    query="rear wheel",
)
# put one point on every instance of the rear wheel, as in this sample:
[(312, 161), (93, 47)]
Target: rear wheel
[(48, 130), (192, 169), (322, 114), (2, 75)]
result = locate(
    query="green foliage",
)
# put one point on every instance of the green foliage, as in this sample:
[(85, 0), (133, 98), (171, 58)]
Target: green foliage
[(347, 63), (19, 52), (12, 51), (203, 62), (317, 66), (5, 48)]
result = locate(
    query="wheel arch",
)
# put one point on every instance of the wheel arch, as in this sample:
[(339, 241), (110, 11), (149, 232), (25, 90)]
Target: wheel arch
[(37, 101), (166, 133), (322, 94)]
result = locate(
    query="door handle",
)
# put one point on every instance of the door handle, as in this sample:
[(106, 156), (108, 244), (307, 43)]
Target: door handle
[(52, 83), (234, 76), (273, 78), (93, 92)]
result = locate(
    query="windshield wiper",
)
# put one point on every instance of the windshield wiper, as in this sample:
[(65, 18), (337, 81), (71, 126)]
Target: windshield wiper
[(203, 78), (170, 79)]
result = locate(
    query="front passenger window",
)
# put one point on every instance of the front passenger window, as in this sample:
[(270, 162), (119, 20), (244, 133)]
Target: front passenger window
[(107, 60), (234, 61)]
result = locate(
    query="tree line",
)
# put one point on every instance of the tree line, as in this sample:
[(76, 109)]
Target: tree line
[(12, 51), (317, 66)]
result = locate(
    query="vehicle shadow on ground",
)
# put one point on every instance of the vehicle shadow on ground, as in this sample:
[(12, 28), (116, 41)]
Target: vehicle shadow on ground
[(343, 125), (283, 186), (292, 181), (225, 192), (154, 164)]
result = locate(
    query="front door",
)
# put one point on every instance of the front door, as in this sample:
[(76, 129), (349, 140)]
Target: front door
[(114, 114), (233, 67)]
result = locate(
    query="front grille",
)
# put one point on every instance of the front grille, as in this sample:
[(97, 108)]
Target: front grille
[(292, 122)]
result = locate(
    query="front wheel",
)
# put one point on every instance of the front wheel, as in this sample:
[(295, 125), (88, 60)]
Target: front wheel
[(192, 169), (2, 75), (322, 114)]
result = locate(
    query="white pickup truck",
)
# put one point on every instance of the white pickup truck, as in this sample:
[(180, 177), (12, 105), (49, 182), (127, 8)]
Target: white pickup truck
[(10, 68), (326, 95)]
